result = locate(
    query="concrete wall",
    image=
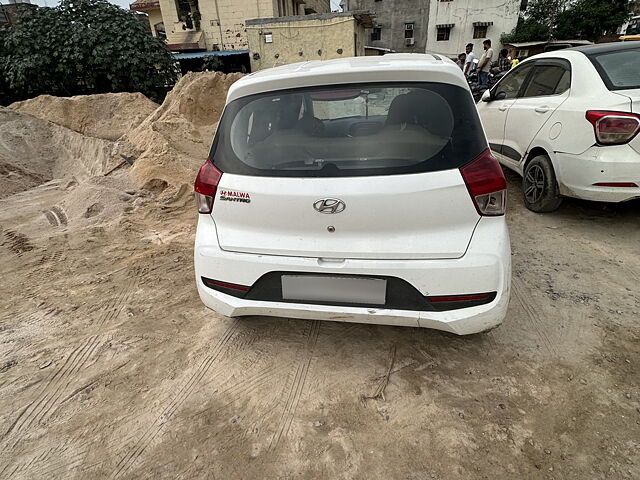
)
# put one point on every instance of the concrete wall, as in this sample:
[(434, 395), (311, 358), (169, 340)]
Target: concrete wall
[(169, 13), (299, 41), (463, 13), (223, 21), (391, 15), (155, 17)]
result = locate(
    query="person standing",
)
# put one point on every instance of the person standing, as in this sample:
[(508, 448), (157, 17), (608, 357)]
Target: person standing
[(504, 62), (462, 58), (468, 63), (485, 63)]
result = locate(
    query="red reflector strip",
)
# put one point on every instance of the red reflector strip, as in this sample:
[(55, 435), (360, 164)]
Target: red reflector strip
[(460, 298), (232, 286), (616, 184)]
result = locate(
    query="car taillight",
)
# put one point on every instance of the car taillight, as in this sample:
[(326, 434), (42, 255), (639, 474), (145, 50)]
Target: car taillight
[(614, 128), (206, 186), (454, 302), (486, 184)]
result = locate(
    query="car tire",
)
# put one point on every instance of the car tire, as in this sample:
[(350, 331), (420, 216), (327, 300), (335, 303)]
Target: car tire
[(539, 186)]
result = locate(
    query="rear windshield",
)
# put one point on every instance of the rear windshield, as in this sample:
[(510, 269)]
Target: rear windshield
[(349, 130), (619, 70)]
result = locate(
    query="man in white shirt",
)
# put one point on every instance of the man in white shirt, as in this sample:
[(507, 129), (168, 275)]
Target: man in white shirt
[(469, 65), (485, 63)]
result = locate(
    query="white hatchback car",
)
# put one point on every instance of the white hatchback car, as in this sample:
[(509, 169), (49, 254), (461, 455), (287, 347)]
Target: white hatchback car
[(568, 122), (358, 190)]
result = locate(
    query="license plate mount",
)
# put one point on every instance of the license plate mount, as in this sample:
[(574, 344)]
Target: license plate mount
[(334, 289)]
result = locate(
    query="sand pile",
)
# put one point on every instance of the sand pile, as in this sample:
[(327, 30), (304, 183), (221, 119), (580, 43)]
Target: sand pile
[(100, 199), (50, 138), (171, 144), (33, 151), (107, 116)]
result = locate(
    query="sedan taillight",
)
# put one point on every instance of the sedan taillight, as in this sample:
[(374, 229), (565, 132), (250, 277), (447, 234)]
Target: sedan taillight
[(206, 186), (614, 128), (486, 184)]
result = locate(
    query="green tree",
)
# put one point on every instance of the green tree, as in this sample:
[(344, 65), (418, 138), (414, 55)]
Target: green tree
[(592, 19), (83, 46), (568, 19), (536, 22)]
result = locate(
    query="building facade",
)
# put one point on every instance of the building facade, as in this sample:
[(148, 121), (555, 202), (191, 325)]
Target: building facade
[(283, 40), (454, 23), (216, 25), (400, 25), (438, 26)]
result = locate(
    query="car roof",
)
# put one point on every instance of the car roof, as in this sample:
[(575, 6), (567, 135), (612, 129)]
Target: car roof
[(566, 53), (577, 53), (599, 48), (394, 67)]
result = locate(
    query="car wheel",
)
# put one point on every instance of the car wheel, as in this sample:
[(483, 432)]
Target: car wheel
[(539, 186)]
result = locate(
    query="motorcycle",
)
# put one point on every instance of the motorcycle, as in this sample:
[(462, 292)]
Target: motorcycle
[(478, 90)]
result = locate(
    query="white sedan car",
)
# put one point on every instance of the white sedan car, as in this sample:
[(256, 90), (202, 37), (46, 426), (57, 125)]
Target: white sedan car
[(568, 122), (357, 190)]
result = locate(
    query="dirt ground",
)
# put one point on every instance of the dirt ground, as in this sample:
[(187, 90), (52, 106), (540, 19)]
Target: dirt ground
[(110, 367)]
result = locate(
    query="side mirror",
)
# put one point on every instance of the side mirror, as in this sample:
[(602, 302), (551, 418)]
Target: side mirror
[(486, 96)]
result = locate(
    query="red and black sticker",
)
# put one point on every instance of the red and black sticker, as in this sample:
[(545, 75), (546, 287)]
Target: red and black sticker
[(232, 196)]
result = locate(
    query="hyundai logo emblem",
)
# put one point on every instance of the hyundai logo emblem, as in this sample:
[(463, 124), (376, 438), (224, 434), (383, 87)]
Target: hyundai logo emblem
[(329, 205)]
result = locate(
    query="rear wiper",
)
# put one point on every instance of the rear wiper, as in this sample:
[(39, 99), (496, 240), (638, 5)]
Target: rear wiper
[(311, 162)]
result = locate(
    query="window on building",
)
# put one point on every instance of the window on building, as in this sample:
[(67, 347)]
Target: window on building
[(443, 34), (376, 34), (160, 31), (480, 31), (183, 7), (408, 30)]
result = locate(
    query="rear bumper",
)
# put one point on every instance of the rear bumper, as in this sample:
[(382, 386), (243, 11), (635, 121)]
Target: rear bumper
[(485, 267), (577, 174)]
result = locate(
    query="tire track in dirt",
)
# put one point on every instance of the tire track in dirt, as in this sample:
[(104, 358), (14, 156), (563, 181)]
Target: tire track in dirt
[(183, 394), (602, 250), (17, 242), (243, 388), (51, 218), (25, 320), (53, 392), (231, 394), (54, 388), (60, 215), (246, 386), (112, 309), (520, 291), (42, 465), (56, 217), (296, 387)]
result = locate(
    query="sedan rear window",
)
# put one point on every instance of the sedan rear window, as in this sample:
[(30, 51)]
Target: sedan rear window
[(349, 130), (619, 70)]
